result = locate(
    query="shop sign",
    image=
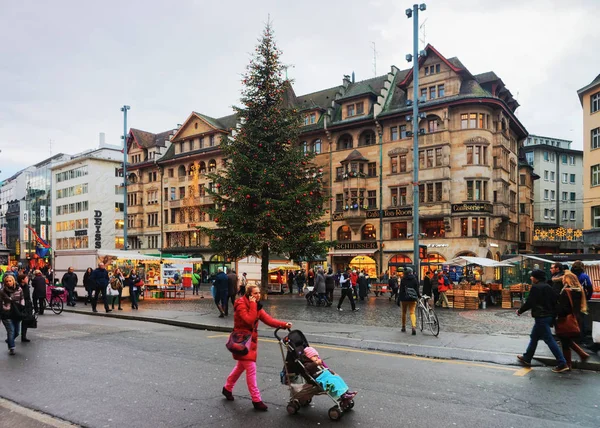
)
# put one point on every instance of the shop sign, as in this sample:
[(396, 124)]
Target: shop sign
[(437, 245), (472, 208), (397, 212), (493, 244), (98, 225), (17, 247), (357, 246), (82, 232)]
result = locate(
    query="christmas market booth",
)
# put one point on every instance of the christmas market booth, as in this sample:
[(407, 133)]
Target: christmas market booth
[(471, 291), (278, 278)]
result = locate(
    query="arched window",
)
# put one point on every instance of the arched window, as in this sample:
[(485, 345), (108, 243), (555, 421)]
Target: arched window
[(212, 165), (304, 145), (316, 146), (202, 168), (368, 233), (132, 178), (344, 233), (367, 138), (181, 171), (400, 258), (432, 123), (344, 142)]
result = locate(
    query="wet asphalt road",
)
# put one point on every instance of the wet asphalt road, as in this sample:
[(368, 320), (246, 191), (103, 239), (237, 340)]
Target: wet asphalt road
[(102, 372)]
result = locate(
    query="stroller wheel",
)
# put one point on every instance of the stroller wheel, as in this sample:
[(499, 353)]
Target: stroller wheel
[(351, 404), (306, 403), (335, 414), (292, 409)]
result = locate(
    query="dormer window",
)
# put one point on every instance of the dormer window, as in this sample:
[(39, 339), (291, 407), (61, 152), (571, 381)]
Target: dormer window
[(310, 119), (350, 110), (360, 108), (432, 69)]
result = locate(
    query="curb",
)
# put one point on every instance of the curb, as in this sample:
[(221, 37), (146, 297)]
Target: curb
[(412, 349)]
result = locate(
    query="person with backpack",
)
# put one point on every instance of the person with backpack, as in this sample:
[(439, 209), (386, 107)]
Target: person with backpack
[(578, 268), (443, 286), (69, 281), (346, 286), (116, 283), (408, 294), (196, 280)]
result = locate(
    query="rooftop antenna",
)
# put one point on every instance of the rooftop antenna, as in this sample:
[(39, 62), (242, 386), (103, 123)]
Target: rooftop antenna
[(374, 59), (423, 40)]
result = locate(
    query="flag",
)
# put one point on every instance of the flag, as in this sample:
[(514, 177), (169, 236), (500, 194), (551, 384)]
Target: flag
[(39, 240)]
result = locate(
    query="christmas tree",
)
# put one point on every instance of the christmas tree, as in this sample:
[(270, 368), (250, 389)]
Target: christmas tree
[(269, 197)]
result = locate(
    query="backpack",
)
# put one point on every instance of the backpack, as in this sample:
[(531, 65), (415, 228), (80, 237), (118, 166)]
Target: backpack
[(586, 284), (115, 283)]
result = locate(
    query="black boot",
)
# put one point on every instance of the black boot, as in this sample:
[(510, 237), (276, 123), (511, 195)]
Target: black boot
[(24, 339)]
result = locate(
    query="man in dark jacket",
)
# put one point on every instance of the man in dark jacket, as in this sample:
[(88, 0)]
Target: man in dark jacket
[(100, 279), (221, 292), (408, 294), (346, 286), (542, 302), (329, 286), (69, 281), (39, 292), (557, 271), (232, 287)]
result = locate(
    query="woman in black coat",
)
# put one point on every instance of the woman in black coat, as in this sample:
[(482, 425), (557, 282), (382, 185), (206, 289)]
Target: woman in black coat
[(23, 281), (39, 292), (363, 285), (88, 284)]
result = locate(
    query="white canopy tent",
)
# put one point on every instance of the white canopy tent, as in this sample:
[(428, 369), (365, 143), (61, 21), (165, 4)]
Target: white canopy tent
[(481, 261), (519, 259), (127, 255)]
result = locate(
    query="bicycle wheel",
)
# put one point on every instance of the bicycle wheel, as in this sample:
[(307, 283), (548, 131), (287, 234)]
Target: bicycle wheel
[(56, 304), (422, 319), (434, 324)]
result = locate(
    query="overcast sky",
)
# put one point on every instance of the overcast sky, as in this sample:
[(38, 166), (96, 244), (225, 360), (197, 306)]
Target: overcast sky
[(68, 66)]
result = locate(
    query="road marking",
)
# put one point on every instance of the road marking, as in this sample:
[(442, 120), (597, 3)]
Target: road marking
[(217, 335), (37, 416), (523, 372)]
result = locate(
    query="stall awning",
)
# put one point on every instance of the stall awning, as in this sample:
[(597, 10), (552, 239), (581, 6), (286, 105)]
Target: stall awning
[(481, 261), (351, 252), (519, 259), (127, 255)]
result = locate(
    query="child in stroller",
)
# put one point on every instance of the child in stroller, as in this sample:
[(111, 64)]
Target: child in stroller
[(307, 375)]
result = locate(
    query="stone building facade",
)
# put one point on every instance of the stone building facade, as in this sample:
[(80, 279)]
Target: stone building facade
[(468, 156)]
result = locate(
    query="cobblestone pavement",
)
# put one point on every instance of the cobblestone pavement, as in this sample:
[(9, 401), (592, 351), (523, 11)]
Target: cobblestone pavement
[(375, 311)]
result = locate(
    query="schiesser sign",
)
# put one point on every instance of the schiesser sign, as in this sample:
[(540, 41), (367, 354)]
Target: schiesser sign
[(357, 246)]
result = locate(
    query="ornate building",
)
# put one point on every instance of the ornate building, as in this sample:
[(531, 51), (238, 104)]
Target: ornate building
[(469, 185)]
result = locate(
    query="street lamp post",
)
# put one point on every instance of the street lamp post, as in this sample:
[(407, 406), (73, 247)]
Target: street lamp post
[(414, 14), (124, 110)]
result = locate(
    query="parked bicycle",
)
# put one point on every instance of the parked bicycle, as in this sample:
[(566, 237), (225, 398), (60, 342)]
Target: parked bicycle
[(427, 316), (55, 304)]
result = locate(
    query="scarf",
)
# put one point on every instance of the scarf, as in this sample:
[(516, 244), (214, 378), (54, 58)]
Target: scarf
[(571, 282)]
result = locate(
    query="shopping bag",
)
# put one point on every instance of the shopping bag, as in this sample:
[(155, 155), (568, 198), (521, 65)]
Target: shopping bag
[(596, 331), (111, 292), (213, 291)]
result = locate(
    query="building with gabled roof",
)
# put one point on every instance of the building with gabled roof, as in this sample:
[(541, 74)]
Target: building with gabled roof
[(469, 167)]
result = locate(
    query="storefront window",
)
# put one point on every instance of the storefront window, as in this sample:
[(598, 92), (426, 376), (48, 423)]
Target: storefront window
[(432, 262), (398, 263), (399, 230), (433, 228), (368, 232), (344, 233), (464, 227)]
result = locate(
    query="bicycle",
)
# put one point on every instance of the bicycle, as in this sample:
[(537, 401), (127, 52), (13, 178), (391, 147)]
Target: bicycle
[(427, 316), (55, 304)]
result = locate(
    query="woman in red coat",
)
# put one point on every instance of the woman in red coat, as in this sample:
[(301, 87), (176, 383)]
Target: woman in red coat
[(248, 311)]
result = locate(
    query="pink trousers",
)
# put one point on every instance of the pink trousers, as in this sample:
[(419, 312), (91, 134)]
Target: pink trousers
[(250, 368)]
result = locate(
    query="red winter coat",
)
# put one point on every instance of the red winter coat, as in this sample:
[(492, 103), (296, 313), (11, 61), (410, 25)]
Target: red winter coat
[(353, 279), (245, 319), (442, 287)]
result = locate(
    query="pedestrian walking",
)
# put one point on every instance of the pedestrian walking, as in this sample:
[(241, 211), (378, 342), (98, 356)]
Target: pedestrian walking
[(542, 302), (88, 284), (363, 285), (427, 286), (69, 281), (354, 283), (320, 286), (557, 271), (134, 283), (39, 292), (247, 312), (100, 281), (243, 284), (346, 286), (393, 286), (196, 280), (221, 285), (290, 281), (300, 281), (408, 294), (578, 268), (443, 286), (329, 286), (30, 320), (232, 286), (9, 294), (116, 283), (311, 278), (571, 301)]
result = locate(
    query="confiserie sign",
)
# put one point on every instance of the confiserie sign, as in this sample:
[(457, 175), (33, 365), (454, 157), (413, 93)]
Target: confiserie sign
[(472, 207)]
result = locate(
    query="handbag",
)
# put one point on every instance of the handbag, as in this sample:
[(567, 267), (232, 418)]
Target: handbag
[(568, 326), (18, 312), (239, 343), (111, 291)]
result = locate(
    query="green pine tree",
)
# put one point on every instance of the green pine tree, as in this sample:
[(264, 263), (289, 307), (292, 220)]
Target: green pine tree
[(269, 197)]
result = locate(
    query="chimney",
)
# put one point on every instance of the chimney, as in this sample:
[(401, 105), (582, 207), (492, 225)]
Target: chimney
[(102, 140), (353, 77), (346, 81)]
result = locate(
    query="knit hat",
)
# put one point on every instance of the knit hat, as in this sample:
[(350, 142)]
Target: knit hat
[(538, 274), (310, 352), (408, 270)]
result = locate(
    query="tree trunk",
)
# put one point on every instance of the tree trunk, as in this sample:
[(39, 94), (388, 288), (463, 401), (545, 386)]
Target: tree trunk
[(264, 270)]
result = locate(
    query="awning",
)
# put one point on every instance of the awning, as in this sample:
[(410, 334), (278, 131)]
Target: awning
[(519, 259), (127, 255), (481, 261), (351, 252)]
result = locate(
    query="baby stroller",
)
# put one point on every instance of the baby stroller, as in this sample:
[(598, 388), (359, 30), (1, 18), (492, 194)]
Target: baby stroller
[(313, 298), (302, 385)]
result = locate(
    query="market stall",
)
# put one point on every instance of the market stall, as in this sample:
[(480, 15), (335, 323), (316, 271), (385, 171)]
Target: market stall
[(278, 283)]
